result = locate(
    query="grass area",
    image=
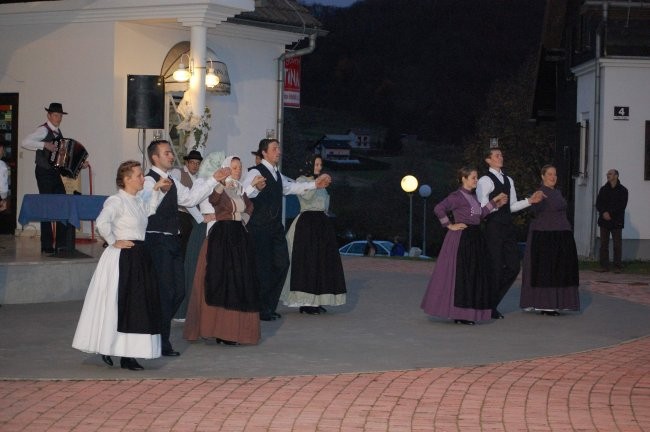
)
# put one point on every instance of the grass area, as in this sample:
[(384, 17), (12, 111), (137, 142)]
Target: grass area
[(633, 267)]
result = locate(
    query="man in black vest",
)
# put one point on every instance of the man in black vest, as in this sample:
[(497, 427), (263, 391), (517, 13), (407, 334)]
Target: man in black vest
[(48, 179), (162, 237), (271, 252), (500, 231)]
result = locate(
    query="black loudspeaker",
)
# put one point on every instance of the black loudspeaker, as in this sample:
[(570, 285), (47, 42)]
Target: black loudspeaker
[(145, 102)]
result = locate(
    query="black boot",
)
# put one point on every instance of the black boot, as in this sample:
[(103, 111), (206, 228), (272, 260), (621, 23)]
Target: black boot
[(130, 363)]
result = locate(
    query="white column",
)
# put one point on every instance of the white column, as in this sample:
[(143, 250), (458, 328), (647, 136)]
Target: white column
[(198, 37)]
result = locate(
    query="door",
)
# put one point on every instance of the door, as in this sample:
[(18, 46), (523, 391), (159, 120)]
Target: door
[(9, 142)]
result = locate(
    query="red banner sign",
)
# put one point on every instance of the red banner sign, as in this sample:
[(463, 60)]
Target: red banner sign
[(292, 82)]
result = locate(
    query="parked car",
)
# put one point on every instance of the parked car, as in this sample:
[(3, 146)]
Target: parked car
[(356, 248)]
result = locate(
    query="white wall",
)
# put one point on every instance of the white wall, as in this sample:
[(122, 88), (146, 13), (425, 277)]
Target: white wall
[(242, 118), (624, 82), (67, 64), (85, 66), (627, 83)]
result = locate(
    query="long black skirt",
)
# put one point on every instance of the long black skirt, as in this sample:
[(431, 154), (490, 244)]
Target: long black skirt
[(474, 282), (315, 260), (231, 279), (553, 259), (138, 300)]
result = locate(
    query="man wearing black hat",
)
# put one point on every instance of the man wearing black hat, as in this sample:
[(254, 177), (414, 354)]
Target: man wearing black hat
[(188, 216), (47, 176)]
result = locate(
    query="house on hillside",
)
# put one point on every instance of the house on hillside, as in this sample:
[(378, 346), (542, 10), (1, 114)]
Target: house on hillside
[(360, 139), (593, 82), (95, 57), (335, 147)]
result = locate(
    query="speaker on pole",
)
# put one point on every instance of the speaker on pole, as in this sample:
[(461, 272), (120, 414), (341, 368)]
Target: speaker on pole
[(145, 102)]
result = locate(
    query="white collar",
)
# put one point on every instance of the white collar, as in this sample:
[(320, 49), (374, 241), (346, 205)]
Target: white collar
[(52, 127), (159, 171), (498, 173), (269, 166)]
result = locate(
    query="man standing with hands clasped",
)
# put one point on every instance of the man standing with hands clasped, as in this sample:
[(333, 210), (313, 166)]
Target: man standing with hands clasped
[(500, 231), (611, 203), (271, 251)]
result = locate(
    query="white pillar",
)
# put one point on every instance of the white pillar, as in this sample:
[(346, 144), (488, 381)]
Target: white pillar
[(198, 49)]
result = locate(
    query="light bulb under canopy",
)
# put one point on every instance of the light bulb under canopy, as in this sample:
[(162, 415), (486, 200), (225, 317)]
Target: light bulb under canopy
[(181, 74)]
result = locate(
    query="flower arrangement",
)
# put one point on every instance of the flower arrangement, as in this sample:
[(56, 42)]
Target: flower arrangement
[(198, 128)]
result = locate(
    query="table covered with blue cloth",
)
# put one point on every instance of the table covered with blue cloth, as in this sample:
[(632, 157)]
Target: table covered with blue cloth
[(65, 208)]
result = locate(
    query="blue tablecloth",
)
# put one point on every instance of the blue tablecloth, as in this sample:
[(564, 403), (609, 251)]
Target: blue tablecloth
[(63, 208)]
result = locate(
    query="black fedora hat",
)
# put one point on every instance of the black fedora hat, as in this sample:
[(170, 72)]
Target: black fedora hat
[(194, 154), (55, 107)]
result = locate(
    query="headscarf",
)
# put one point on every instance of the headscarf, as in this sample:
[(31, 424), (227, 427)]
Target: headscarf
[(231, 182), (210, 164)]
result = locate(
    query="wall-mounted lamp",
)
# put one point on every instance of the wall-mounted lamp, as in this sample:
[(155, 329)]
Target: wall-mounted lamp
[(211, 78), (179, 66), (182, 74)]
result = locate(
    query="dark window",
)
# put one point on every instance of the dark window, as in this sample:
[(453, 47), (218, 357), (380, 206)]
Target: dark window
[(647, 151)]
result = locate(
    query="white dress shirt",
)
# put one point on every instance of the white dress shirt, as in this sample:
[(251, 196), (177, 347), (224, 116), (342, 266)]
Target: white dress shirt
[(187, 197), (4, 180), (289, 187), (193, 211), (485, 187), (34, 141)]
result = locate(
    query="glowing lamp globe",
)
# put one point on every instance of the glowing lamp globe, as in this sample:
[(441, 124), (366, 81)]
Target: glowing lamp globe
[(409, 184)]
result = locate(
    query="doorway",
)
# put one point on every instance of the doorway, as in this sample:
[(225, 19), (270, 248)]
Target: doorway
[(9, 143)]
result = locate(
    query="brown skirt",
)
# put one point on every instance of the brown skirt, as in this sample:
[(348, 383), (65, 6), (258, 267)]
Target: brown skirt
[(204, 321)]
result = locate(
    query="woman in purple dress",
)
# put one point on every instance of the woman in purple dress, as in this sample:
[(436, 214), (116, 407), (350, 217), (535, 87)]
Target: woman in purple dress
[(550, 273), (461, 284)]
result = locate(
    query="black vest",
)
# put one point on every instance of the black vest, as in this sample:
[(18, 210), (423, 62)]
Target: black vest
[(166, 217), (502, 215), (43, 156), (268, 203)]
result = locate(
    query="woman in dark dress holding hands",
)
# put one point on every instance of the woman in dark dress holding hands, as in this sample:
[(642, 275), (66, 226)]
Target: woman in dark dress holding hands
[(550, 273), (225, 297), (461, 284)]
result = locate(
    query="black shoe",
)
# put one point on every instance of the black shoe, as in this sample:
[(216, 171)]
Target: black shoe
[(107, 359), (276, 315), (48, 250), (267, 317), (170, 353), (466, 322), (130, 363), (227, 342), (310, 310), (322, 309), (496, 314), (550, 313)]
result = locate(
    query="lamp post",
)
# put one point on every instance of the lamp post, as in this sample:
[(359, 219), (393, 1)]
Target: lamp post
[(409, 185), (425, 192)]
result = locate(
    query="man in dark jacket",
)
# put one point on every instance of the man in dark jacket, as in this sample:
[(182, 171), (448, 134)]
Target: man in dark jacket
[(611, 203)]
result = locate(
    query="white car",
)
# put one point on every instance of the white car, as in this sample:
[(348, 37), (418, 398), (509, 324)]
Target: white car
[(357, 247)]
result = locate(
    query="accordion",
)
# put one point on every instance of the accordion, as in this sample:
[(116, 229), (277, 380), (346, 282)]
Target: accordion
[(68, 157)]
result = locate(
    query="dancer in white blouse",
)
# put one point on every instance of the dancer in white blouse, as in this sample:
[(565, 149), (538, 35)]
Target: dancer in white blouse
[(121, 312)]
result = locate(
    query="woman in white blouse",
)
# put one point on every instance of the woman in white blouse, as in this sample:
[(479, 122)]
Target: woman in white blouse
[(121, 312)]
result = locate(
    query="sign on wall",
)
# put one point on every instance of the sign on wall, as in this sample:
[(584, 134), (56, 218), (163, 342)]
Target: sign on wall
[(621, 113), (291, 96)]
